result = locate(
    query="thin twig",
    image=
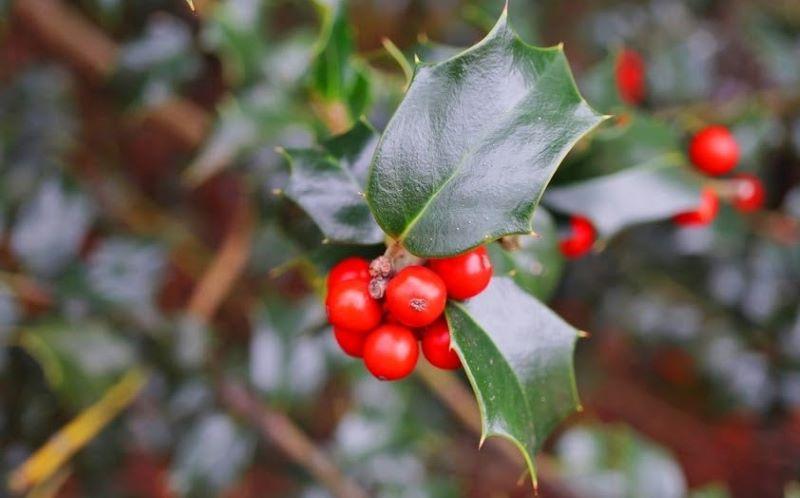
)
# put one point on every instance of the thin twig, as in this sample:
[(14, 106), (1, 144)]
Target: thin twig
[(226, 266), (275, 426)]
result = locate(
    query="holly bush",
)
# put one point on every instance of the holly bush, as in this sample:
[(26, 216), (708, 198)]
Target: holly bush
[(330, 248)]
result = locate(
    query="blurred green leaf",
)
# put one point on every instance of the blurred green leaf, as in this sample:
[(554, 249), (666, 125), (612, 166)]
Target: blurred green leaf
[(537, 264), (517, 354), (80, 360), (335, 75), (472, 146), (211, 456), (328, 185), (153, 67), (654, 191), (615, 461)]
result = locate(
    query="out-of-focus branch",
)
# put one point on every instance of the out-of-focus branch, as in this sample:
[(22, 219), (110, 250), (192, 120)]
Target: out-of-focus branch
[(226, 266), (458, 399), (65, 32), (279, 429)]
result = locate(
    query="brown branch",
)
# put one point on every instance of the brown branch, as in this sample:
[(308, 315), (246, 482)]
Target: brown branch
[(64, 31), (278, 428), (226, 267)]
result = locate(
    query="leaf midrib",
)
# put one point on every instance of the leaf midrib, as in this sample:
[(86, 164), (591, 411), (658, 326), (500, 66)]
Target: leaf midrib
[(469, 152)]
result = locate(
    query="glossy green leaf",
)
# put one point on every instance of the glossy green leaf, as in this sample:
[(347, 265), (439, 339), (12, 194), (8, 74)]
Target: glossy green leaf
[(517, 354), (470, 149), (536, 265), (327, 184), (650, 192)]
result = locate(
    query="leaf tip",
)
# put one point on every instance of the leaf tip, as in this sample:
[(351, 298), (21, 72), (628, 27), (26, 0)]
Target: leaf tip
[(280, 150), (417, 60), (512, 272)]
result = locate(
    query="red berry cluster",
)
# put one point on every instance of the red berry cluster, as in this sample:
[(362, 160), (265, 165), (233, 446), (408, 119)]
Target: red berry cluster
[(380, 316), (715, 152)]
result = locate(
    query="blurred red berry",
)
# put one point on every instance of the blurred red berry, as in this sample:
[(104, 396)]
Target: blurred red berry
[(630, 77), (351, 342), (749, 193), (465, 275), (350, 306), (436, 346), (416, 296), (391, 352), (581, 238), (348, 269), (714, 150), (705, 212)]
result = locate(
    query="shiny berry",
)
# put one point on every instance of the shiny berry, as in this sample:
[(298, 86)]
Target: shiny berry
[(705, 212), (749, 193), (348, 269), (350, 306), (416, 296), (436, 346), (391, 352), (465, 275), (351, 342), (630, 77), (580, 239), (714, 150)]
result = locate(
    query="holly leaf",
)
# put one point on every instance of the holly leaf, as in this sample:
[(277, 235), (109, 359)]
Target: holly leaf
[(535, 265), (328, 184), (469, 151), (654, 191), (517, 355)]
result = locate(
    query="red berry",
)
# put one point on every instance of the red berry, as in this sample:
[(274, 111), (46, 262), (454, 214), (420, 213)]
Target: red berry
[(580, 239), (714, 150), (436, 346), (416, 296), (705, 212), (630, 77), (749, 194), (391, 352), (350, 306), (351, 342), (465, 275), (348, 269)]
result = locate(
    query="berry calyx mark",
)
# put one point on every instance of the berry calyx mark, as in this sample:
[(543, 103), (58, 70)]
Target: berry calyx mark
[(714, 150), (416, 296), (418, 304)]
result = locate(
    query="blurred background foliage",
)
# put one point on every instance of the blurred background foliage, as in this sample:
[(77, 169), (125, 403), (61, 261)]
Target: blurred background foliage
[(144, 230)]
